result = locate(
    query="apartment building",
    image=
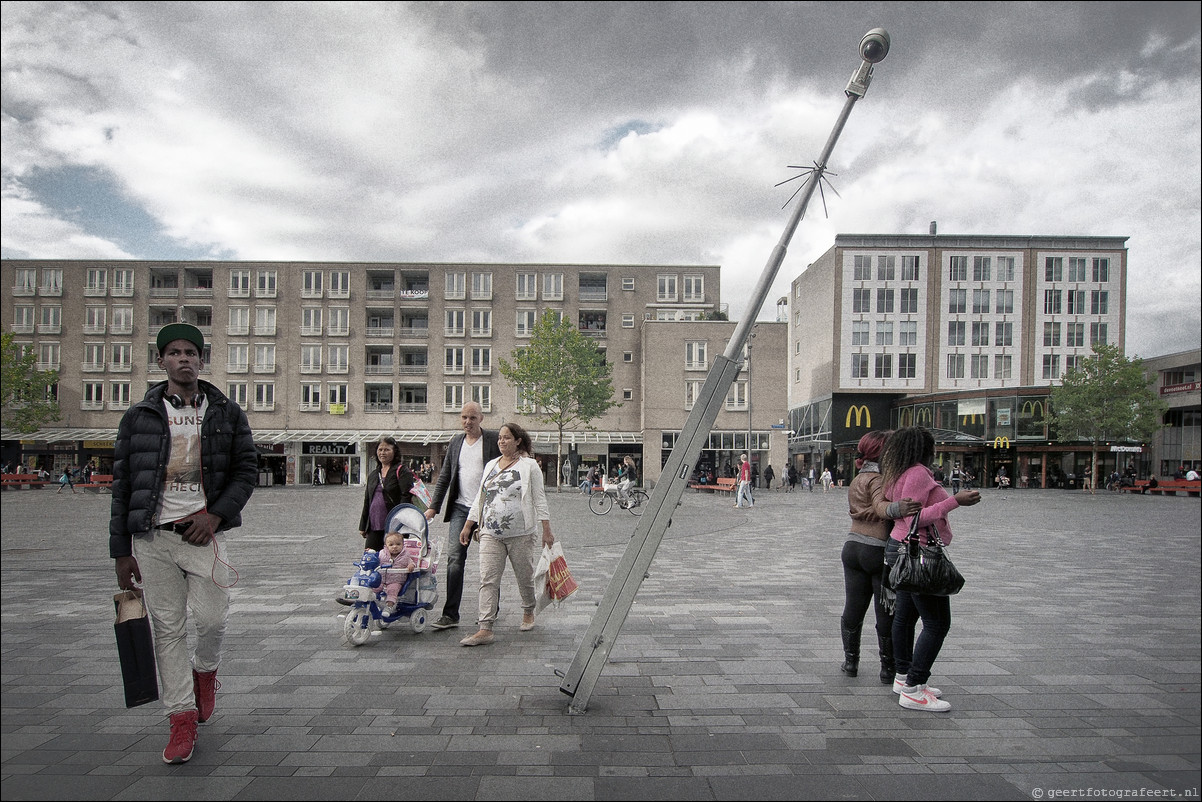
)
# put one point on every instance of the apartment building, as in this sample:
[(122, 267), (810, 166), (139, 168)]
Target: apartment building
[(1177, 380), (964, 334), (327, 356)]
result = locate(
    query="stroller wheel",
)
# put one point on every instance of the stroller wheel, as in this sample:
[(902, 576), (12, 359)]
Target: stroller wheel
[(418, 620), (357, 626)]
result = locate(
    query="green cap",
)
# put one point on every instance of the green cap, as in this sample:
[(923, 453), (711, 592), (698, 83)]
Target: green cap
[(181, 331)]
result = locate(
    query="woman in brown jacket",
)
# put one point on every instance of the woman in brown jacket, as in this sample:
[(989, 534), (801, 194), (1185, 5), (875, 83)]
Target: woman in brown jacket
[(864, 555)]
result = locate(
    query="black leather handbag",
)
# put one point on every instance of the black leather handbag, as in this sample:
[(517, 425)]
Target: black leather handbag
[(925, 569)]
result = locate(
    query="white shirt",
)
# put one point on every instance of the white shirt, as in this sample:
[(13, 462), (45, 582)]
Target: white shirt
[(183, 485), (471, 470)]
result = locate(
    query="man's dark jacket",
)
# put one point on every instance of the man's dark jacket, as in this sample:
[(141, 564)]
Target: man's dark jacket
[(448, 477), (228, 460)]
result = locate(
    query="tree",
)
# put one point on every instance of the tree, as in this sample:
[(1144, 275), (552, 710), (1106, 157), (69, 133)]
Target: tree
[(1106, 397), (27, 395), (563, 378)]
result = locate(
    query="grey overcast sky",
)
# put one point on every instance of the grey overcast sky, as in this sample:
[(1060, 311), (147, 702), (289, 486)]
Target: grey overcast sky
[(641, 133)]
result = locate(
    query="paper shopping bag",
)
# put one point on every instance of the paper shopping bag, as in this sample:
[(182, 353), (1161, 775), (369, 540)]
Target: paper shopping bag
[(560, 583), (135, 648)]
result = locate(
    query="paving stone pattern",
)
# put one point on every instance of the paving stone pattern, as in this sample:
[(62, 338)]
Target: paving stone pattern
[(1073, 664)]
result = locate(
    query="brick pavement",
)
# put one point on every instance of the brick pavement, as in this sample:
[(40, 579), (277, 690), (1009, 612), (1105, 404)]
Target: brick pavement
[(1073, 663)]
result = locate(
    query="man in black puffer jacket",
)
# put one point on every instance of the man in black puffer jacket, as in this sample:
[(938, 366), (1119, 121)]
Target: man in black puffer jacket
[(184, 466)]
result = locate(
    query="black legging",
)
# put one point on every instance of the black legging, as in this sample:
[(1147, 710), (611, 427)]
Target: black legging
[(863, 567)]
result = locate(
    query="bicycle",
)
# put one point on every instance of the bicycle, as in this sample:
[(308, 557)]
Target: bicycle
[(601, 503)]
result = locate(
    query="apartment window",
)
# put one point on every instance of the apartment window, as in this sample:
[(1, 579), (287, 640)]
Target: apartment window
[(1002, 366), (980, 334), (1074, 335), (237, 358), (265, 284), (1005, 268), (909, 268), (1076, 301), (1101, 270), (885, 270), (694, 288), (122, 357), (883, 368), (118, 395), (861, 301), (957, 268), (94, 320), (1097, 334), (25, 282), (957, 301), (1053, 269), (628, 321), (861, 268), (955, 366), (339, 284), (264, 358), (338, 359), (1051, 366), (1099, 302), (1051, 302), (336, 394), (907, 366), (1003, 333), (340, 321), (1071, 363), (311, 320), (859, 366), (93, 356), (52, 281), (239, 321), (552, 286), (691, 390), (909, 301), (310, 398), (884, 333), (1076, 268), (696, 355), (907, 332), (93, 395), (523, 399), (982, 268), (96, 282), (23, 319), (1005, 302), (264, 396), (1051, 334), (482, 395), (481, 322), (311, 284), (955, 332), (311, 359), (454, 324), (481, 360), (456, 286), (453, 359), (239, 284), (50, 320), (980, 302), (481, 286), (978, 366), (736, 397), (452, 397), (666, 288), (525, 322), (859, 332), (236, 392), (884, 300), (265, 320), (527, 287)]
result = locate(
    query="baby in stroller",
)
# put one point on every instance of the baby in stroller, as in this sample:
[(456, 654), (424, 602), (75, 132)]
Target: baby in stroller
[(396, 560)]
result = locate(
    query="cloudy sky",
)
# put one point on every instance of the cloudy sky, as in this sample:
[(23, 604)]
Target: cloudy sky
[(643, 133)]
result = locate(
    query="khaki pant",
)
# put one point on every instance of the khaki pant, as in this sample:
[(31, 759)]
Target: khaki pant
[(521, 552)]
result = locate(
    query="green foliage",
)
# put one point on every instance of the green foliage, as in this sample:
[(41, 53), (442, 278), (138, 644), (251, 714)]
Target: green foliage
[(26, 398)]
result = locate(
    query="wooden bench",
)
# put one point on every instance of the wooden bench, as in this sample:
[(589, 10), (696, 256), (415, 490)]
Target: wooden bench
[(1168, 487), (21, 481), (99, 482), (719, 485)]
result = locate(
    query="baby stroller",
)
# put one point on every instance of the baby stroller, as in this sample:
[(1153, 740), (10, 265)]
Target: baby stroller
[(419, 588)]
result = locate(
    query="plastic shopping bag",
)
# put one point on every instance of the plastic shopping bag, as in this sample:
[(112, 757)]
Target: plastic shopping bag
[(541, 597), (422, 493), (560, 583)]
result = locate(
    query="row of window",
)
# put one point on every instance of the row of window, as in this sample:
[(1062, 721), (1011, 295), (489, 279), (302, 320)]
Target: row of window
[(983, 268), (1054, 302), (1095, 270), (881, 366)]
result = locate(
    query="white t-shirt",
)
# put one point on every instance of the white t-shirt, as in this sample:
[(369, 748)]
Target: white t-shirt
[(471, 470), (183, 485)]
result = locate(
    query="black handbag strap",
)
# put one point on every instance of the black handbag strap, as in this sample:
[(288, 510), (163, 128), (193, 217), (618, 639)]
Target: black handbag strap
[(932, 534)]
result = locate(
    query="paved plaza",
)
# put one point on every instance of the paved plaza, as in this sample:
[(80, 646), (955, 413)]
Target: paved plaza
[(1073, 664)]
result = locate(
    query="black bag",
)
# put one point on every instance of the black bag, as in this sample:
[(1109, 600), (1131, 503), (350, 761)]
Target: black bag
[(924, 569), (135, 648)]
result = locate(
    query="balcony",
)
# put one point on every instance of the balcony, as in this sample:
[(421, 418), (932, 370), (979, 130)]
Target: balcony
[(24, 290), (411, 408), (122, 291), (381, 294), (413, 370), (237, 367), (311, 368), (122, 328), (164, 292), (414, 332), (21, 328), (120, 367), (265, 368), (91, 405), (95, 328), (239, 330), (49, 328), (378, 370), (92, 367), (94, 291), (310, 331), (378, 407), (379, 331)]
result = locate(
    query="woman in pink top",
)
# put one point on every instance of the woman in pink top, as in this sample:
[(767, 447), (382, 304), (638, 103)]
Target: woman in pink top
[(904, 469)]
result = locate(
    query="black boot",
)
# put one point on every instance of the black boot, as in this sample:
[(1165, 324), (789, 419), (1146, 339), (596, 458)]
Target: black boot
[(886, 647), (851, 650)]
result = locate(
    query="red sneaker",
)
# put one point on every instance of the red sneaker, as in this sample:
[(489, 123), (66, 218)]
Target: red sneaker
[(204, 687), (183, 737)]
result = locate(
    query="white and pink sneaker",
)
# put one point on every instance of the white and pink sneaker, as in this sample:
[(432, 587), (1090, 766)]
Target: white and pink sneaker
[(899, 682), (919, 697)]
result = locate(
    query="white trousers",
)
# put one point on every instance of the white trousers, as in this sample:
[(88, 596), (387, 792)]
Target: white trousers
[(521, 552), (179, 578), (744, 492)]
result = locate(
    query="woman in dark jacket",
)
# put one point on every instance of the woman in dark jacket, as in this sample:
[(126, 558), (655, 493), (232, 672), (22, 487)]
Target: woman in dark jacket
[(390, 484)]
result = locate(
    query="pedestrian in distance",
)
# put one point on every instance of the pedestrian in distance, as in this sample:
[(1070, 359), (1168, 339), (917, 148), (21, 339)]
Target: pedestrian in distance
[(184, 467)]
